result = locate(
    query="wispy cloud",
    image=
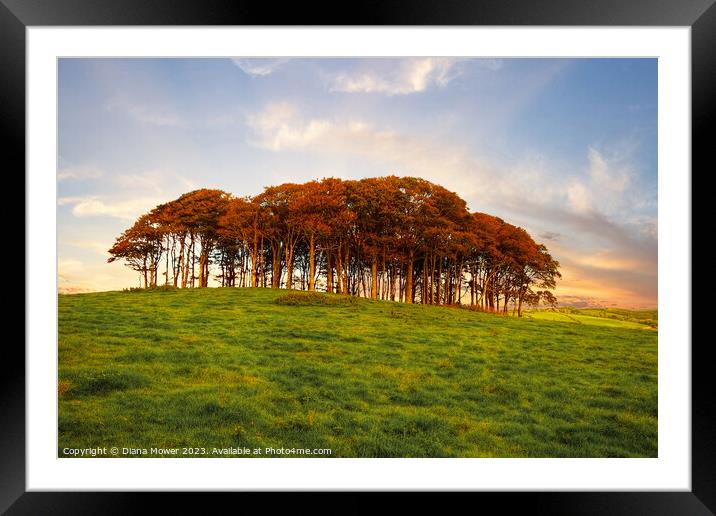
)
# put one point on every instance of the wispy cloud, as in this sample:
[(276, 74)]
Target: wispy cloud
[(154, 114), (98, 247), (397, 77), (76, 276), (591, 199), (127, 209), (625, 287), (78, 173), (281, 127), (604, 185), (594, 207), (551, 236), (151, 116), (148, 181), (471, 125), (259, 67)]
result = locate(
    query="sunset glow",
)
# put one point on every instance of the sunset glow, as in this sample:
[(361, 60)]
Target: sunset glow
[(565, 148)]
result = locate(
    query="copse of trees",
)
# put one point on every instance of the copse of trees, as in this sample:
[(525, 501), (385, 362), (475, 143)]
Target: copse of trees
[(398, 238)]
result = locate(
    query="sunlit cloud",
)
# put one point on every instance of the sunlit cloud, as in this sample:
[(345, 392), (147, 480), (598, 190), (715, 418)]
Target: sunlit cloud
[(98, 247), (149, 181), (280, 127), (259, 67), (476, 126), (126, 209), (153, 114), (604, 184), (78, 173), (69, 267), (148, 115), (609, 248), (550, 236), (76, 276), (628, 288), (401, 77)]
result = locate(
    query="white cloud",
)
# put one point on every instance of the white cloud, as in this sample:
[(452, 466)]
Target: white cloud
[(594, 209), (152, 116), (188, 183), (605, 189), (280, 127), (403, 78), (66, 173), (129, 209), (64, 201), (489, 64), (222, 121), (579, 197), (259, 67), (69, 267), (149, 181), (76, 276), (606, 185), (155, 183), (612, 176), (155, 114), (98, 247)]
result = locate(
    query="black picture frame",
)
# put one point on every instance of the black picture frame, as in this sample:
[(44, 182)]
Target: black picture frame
[(17, 15)]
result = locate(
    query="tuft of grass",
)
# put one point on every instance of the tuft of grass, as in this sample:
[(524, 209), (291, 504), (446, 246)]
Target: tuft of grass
[(63, 386), (157, 288), (237, 367), (91, 383), (314, 299)]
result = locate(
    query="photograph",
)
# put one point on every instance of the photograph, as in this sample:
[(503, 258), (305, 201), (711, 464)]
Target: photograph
[(357, 257)]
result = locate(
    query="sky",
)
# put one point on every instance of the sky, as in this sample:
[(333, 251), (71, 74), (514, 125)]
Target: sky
[(565, 148)]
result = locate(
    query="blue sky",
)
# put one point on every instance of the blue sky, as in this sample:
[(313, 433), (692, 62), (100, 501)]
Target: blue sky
[(565, 148)]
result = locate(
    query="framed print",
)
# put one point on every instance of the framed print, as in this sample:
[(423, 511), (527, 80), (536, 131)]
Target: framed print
[(424, 253)]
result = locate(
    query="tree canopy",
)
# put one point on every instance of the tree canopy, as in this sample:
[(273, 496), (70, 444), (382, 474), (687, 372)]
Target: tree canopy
[(398, 238)]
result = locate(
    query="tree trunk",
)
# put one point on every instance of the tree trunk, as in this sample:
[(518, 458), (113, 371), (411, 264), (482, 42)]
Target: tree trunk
[(374, 277), (276, 266), (346, 265), (339, 271), (425, 281), (202, 267), (409, 280), (254, 262), (177, 270), (261, 273), (393, 278), (484, 289), (144, 270), (472, 287), (451, 282), (312, 264), (329, 272), (439, 278), (519, 306), (289, 267), (193, 259)]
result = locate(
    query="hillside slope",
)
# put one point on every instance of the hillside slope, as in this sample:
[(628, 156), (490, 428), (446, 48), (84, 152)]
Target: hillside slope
[(259, 368)]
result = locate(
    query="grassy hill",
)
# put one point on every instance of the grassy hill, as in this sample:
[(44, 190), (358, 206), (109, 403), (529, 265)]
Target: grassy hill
[(265, 368), (611, 317)]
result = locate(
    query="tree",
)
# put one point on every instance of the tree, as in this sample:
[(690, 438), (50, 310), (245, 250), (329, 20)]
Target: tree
[(397, 238), (141, 247), (238, 233)]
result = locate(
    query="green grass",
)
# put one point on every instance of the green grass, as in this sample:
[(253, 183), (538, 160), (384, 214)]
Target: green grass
[(262, 368), (609, 317)]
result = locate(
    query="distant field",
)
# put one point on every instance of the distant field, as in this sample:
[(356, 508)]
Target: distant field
[(269, 368), (610, 317)]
